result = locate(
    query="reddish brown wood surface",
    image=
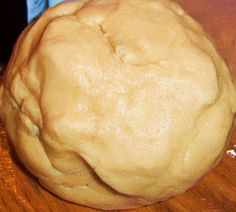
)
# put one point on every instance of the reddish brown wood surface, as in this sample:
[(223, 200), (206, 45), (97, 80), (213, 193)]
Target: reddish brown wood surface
[(19, 191)]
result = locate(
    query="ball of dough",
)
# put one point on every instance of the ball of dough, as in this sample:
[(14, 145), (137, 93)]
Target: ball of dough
[(116, 104)]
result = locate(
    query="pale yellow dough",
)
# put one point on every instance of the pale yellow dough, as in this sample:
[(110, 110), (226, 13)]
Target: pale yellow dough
[(116, 104)]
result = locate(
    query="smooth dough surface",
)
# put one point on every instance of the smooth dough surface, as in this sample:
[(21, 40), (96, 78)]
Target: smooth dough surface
[(116, 104)]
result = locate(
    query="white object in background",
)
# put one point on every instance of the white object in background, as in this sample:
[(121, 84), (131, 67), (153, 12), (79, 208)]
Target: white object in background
[(54, 2), (35, 8)]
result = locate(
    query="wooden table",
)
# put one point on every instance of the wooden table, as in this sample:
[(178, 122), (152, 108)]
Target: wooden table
[(19, 190)]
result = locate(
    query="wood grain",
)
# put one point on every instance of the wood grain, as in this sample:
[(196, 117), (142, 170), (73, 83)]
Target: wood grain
[(19, 190)]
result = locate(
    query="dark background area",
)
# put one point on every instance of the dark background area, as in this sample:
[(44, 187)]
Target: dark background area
[(13, 20)]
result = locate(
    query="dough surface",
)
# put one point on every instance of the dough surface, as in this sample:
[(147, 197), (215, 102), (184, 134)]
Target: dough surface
[(116, 104)]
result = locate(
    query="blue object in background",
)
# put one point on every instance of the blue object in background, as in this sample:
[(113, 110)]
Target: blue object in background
[(54, 2), (35, 8)]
